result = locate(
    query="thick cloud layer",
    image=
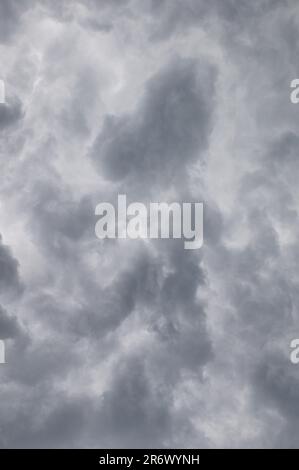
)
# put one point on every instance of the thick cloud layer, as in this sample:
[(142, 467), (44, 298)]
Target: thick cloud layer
[(131, 343), (168, 130)]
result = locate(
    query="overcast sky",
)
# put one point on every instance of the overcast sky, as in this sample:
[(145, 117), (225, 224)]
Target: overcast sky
[(130, 343)]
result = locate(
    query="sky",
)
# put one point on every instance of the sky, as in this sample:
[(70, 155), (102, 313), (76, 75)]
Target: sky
[(141, 343)]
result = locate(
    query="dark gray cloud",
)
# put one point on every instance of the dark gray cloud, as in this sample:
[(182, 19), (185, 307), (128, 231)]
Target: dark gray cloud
[(168, 130), (9, 270), (134, 409), (10, 113), (10, 18), (9, 327)]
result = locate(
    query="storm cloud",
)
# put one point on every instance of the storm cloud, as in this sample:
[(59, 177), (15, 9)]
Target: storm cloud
[(133, 343)]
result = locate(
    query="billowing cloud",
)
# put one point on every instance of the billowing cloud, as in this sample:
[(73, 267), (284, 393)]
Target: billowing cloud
[(132, 343)]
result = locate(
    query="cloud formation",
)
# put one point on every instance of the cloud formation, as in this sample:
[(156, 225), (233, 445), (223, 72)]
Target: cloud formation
[(121, 343)]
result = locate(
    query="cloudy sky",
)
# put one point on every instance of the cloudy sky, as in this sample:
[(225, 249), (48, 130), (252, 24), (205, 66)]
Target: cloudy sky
[(122, 343)]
